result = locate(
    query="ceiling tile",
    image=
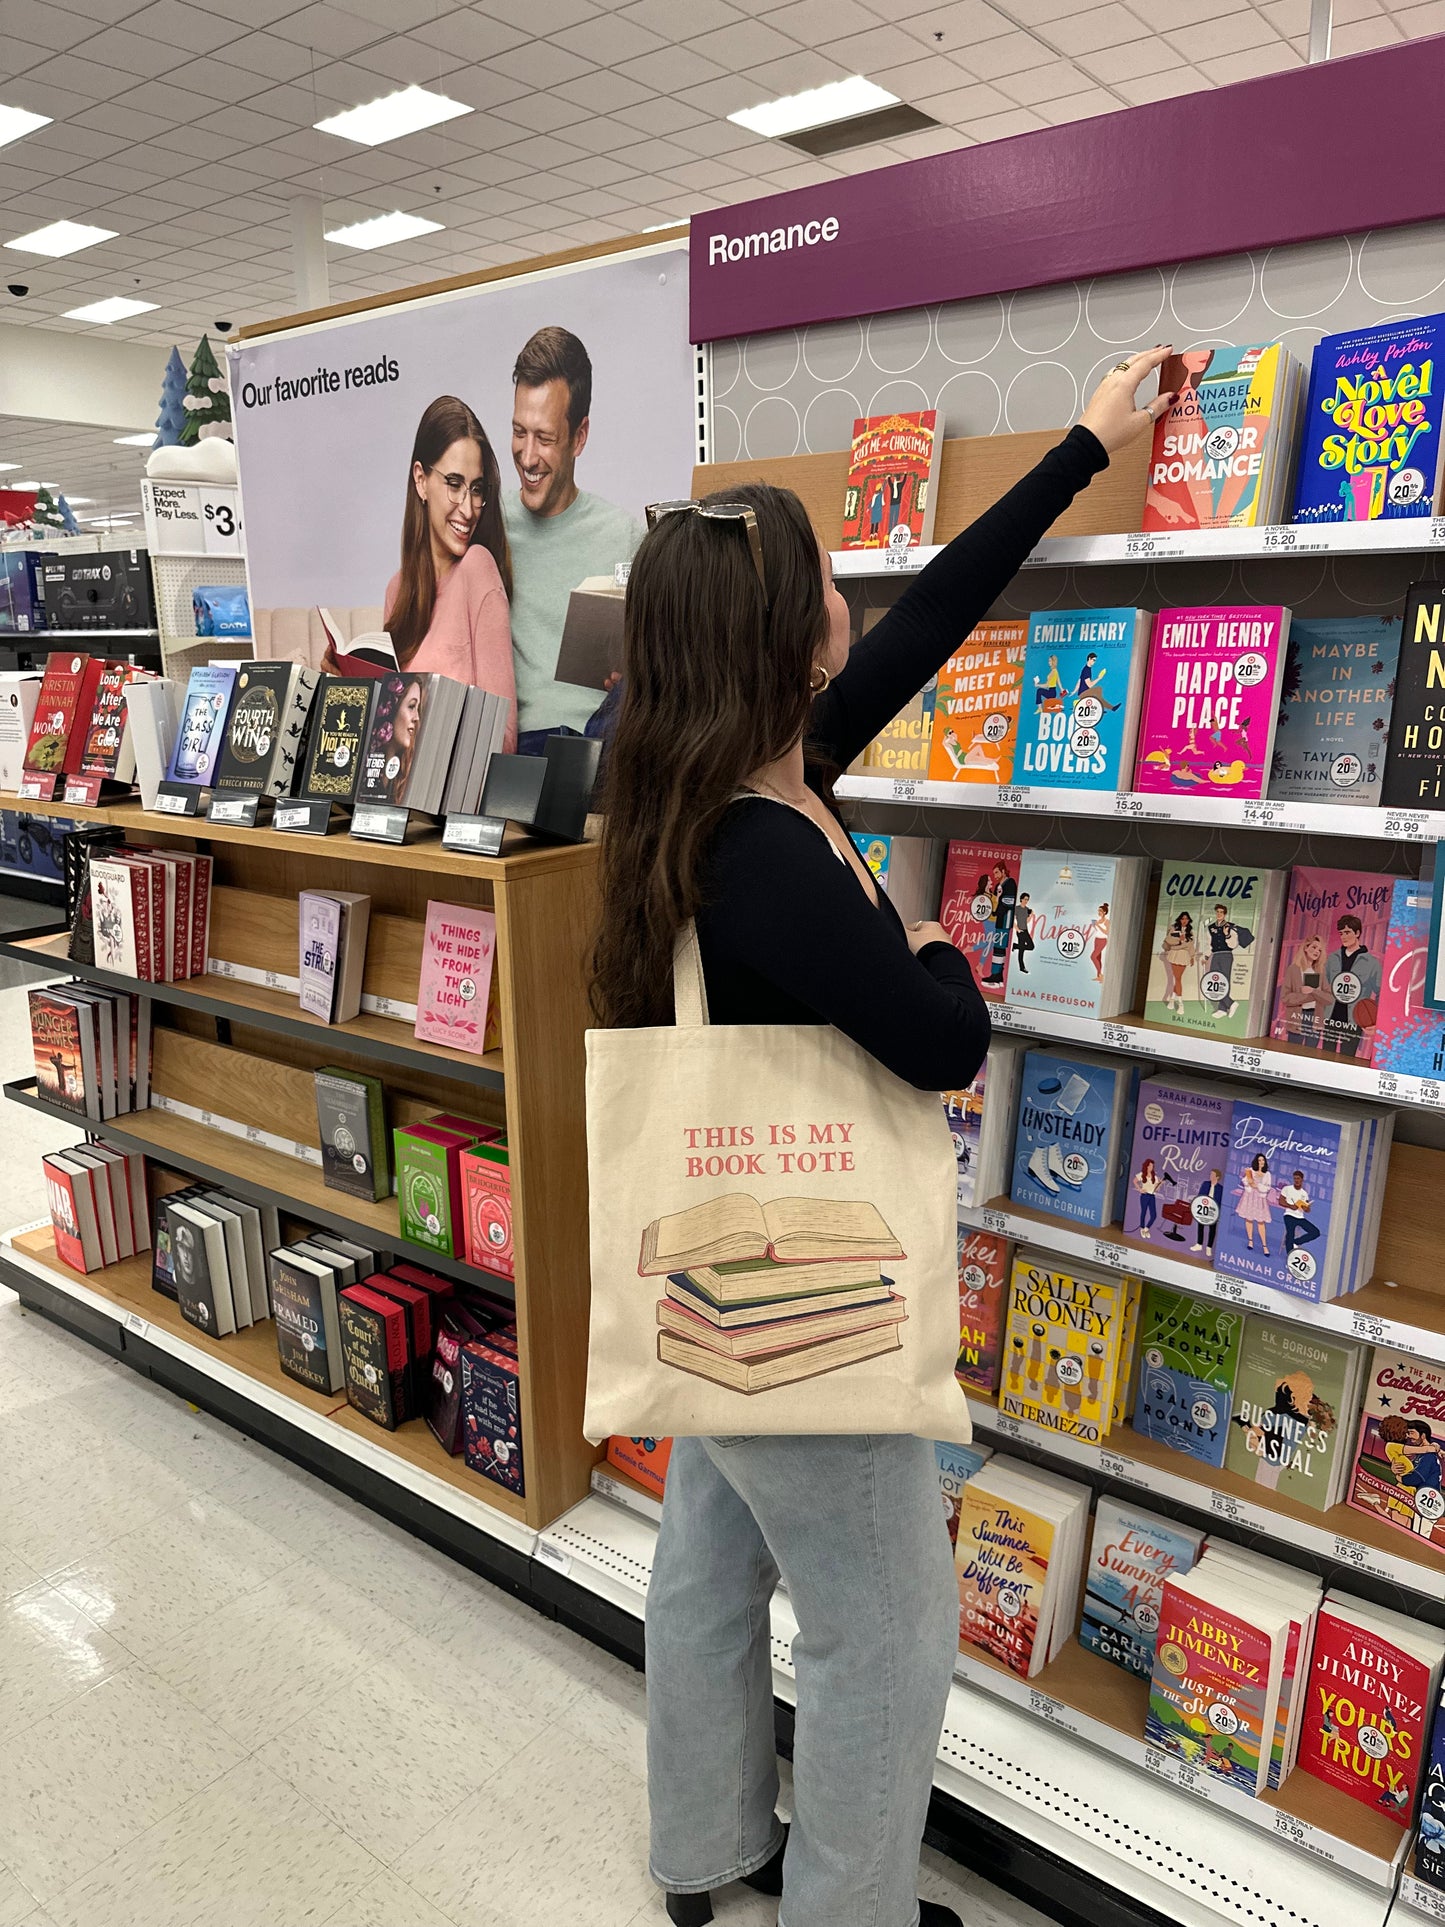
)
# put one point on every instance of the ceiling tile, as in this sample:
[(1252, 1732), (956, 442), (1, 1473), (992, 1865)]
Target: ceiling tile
[(1130, 62), (127, 116), (131, 53), (483, 87), (398, 62), (795, 73), (1429, 18), (682, 19), (1182, 16), (1168, 85), (1360, 36), (393, 15), (217, 80), (597, 170), (654, 156), (929, 140), (1289, 18), (918, 78), (605, 93), (544, 113), (1050, 81), (999, 127), (75, 74), (967, 103), (187, 140), (1250, 62), (963, 24), (605, 40), (51, 27), (715, 137), (664, 115), (179, 25), (601, 134), (1010, 54), (1108, 26), (1235, 33), (326, 29), (1082, 106), (542, 152), (879, 46), (747, 44), (245, 124), (714, 175), (543, 16), (670, 70), (815, 23), (470, 35)]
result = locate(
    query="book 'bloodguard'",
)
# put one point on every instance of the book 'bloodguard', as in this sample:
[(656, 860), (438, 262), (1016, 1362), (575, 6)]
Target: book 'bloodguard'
[(1211, 701), (1371, 450), (1415, 760), (892, 481)]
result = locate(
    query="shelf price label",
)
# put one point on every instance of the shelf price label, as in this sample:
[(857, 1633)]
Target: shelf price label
[(1003, 1016), (1245, 1057), (1291, 1829), (1387, 1084), (995, 1221), (1051, 1710), (1429, 1091), (1352, 1552), (1224, 1505), (905, 789), (1143, 545), (1010, 1427), (1012, 797), (1364, 1324), (553, 1556), (1116, 1036), (1230, 1288), (1115, 1256), (1263, 816), (1408, 825), (1425, 1900), (136, 1324)]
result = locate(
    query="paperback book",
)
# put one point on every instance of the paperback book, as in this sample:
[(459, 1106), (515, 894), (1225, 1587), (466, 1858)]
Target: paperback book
[(1213, 950), (906, 868), (980, 893), (902, 747), (1334, 713), (1062, 1347), (1188, 1363), (1409, 1033), (1211, 701), (892, 486), (976, 706), (1133, 1554), (1430, 1848), (1224, 448), (982, 1121), (1069, 1138), (1414, 777), (983, 1274), (1177, 1163), (1401, 1449), (1079, 711), (1336, 923), (341, 709), (1076, 923), (956, 1466), (1285, 1206), (1018, 1559), (202, 732), (1372, 445), (1292, 1426), (458, 952)]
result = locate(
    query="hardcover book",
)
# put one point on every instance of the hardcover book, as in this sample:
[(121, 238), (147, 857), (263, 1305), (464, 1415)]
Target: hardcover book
[(1401, 1449), (106, 751), (119, 900), (645, 1461), (1061, 1347), (1068, 1142), (320, 920), (1212, 955), (976, 706), (444, 1389), (1177, 1164), (956, 1466), (374, 1354), (492, 1415), (980, 892), (983, 1273), (19, 694), (428, 1186), (266, 728), (1372, 443), (892, 481), (1292, 1425), (202, 732), (355, 1152), (200, 1270), (1327, 997), (1409, 1033), (1079, 711), (1414, 776), (1223, 448), (1334, 712), (487, 1208), (62, 712), (341, 710), (1282, 1185), (1188, 1363), (1132, 1555), (62, 1040), (1369, 1703), (1430, 1848), (458, 952), (69, 1193), (1211, 700)]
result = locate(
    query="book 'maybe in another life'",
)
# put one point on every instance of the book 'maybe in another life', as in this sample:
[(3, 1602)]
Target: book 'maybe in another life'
[(1211, 700), (1334, 713)]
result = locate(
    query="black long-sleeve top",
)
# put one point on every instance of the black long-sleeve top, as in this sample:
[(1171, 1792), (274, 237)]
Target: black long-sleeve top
[(787, 931)]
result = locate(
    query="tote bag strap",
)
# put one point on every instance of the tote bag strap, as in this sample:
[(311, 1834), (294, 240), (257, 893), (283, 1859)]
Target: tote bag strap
[(689, 989)]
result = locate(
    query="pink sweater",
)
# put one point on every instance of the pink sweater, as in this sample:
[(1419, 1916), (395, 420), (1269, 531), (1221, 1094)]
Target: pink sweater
[(470, 638)]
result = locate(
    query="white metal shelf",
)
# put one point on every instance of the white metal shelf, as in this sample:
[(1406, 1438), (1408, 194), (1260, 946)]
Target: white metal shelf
[(1113, 1460), (78, 635), (1212, 812), (1202, 1051), (1421, 535), (1080, 1798), (1145, 1261)]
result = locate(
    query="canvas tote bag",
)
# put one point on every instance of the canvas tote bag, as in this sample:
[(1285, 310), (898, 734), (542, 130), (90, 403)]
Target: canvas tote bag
[(773, 1228)]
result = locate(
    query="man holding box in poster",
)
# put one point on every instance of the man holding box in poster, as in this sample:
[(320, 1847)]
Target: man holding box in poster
[(559, 533)]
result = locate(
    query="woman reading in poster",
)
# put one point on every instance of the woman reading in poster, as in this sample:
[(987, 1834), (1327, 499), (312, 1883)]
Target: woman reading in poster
[(446, 607)]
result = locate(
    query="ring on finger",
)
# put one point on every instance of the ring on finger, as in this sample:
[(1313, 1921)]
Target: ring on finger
[(1122, 367)]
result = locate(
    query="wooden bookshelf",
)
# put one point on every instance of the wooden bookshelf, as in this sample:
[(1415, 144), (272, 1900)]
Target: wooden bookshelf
[(233, 1061)]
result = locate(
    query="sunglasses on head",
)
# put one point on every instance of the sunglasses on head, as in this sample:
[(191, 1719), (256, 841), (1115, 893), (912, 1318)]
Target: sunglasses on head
[(737, 513)]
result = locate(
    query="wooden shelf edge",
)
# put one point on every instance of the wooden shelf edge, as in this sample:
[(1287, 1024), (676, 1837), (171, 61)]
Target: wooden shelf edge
[(250, 1357)]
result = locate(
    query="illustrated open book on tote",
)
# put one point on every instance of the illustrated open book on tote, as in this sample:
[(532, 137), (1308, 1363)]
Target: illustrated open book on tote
[(822, 1298)]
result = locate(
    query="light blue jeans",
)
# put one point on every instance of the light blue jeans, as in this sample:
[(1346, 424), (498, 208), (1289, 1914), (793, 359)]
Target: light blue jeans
[(856, 1528)]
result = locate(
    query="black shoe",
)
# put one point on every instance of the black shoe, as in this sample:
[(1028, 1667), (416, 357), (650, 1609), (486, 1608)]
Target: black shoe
[(695, 1910), (930, 1914)]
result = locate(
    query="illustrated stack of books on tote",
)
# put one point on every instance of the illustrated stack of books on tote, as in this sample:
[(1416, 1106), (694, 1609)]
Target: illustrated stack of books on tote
[(92, 1048), (763, 1295), (1022, 1536), (1399, 1464), (1230, 1664), (1373, 1686), (211, 1258), (333, 930), (983, 1120), (1224, 449), (1076, 928), (150, 912), (1067, 1347), (1132, 1555), (97, 1200)]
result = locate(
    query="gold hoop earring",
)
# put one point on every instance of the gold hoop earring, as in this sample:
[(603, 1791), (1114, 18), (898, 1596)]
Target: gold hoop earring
[(814, 684)]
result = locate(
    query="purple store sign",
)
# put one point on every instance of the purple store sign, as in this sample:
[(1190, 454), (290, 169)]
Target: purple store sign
[(1264, 162)]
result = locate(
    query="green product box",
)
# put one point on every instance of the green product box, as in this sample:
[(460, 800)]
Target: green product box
[(428, 1186)]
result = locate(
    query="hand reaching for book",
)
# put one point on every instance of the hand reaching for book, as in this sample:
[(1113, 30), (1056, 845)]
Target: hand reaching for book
[(1113, 413)]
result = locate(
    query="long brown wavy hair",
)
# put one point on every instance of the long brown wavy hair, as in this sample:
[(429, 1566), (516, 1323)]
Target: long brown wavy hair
[(446, 420), (715, 685)]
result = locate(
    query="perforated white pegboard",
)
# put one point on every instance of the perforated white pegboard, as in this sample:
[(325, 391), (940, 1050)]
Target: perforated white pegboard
[(175, 577)]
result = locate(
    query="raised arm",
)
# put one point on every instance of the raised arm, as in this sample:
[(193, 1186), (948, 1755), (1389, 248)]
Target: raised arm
[(931, 618)]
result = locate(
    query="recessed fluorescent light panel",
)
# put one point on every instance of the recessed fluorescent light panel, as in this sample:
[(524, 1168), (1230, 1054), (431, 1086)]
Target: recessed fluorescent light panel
[(392, 116), (146, 439), (657, 227), (81, 501), (382, 231), (61, 237), (116, 307), (9, 465), (15, 121), (839, 100)]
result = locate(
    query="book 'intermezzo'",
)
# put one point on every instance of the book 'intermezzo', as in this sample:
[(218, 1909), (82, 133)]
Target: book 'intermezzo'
[(1211, 701), (1133, 1554), (1371, 449), (456, 975), (1061, 1347), (1334, 713)]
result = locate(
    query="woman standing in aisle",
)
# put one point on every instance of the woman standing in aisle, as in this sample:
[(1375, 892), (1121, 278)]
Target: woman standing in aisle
[(446, 607), (741, 702)]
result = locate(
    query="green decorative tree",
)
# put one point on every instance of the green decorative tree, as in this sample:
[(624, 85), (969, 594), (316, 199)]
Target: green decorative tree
[(207, 400), (172, 418), (47, 514)]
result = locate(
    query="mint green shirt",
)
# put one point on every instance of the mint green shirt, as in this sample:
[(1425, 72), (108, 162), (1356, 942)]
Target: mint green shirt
[(551, 555)]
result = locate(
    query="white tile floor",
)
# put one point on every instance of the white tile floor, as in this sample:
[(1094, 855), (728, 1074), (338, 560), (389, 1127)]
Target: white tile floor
[(228, 1694)]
